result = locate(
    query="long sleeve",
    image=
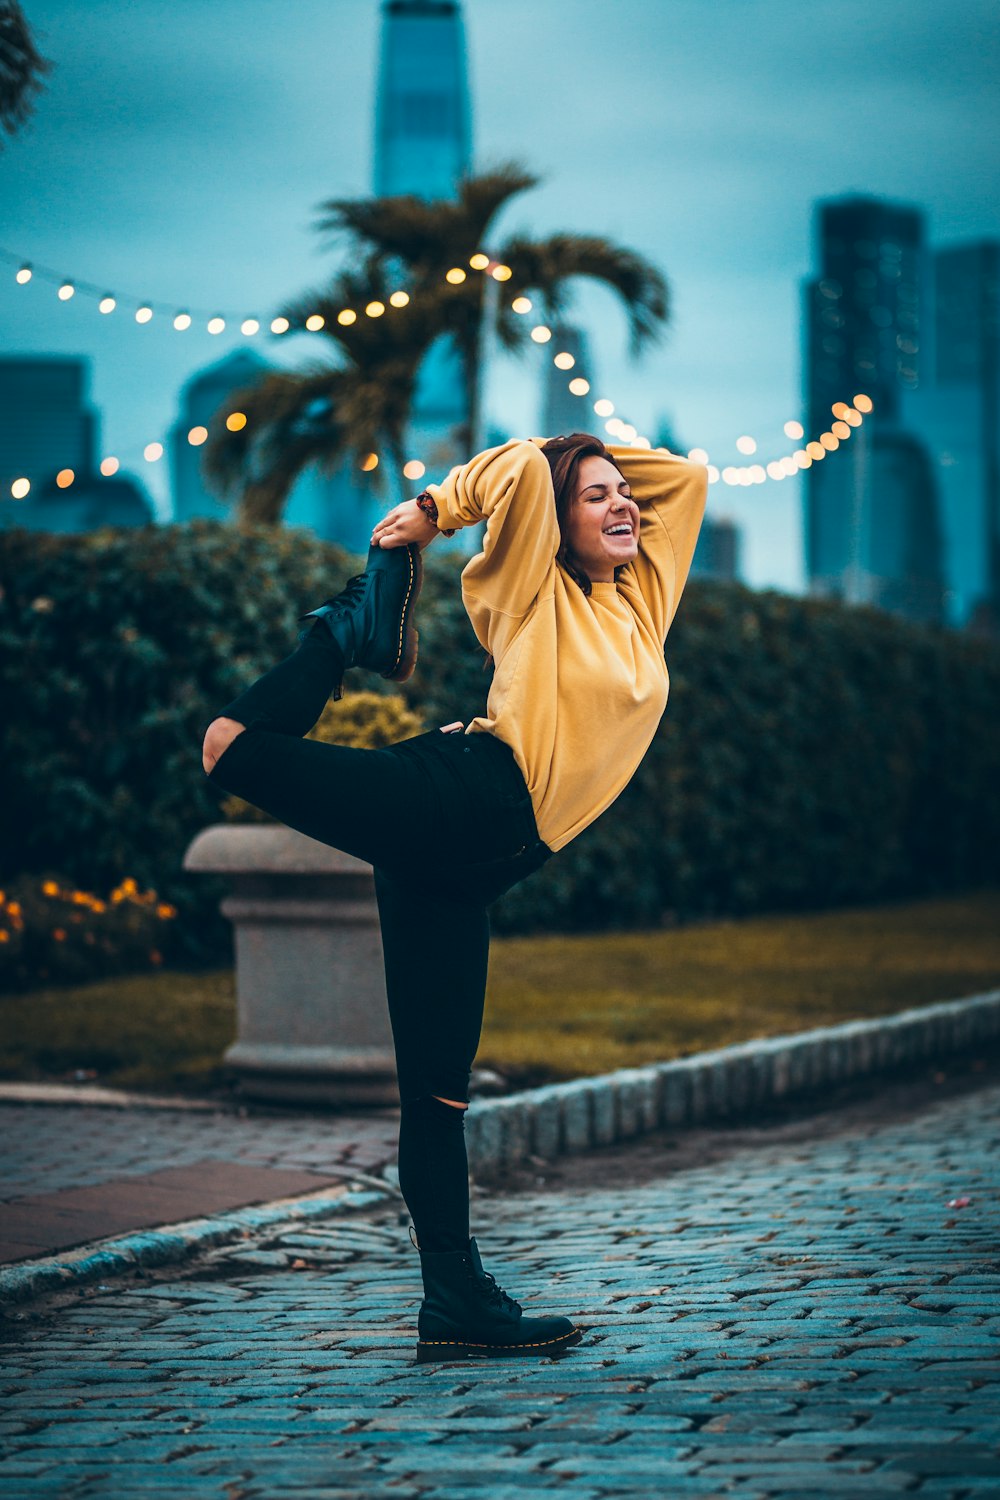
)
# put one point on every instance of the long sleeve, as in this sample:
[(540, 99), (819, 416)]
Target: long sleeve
[(509, 487), (671, 493)]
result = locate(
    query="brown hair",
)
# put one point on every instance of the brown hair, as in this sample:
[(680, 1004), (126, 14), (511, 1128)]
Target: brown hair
[(564, 455)]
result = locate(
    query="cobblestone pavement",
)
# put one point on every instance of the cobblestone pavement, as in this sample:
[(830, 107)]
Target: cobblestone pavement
[(799, 1319), (49, 1147)]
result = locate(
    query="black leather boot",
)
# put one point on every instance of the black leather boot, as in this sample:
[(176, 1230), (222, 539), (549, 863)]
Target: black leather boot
[(372, 620), (465, 1314)]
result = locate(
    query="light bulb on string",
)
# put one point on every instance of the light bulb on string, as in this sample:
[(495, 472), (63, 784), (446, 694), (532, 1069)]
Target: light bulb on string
[(249, 327), (182, 321), (24, 274), (107, 304), (216, 325), (143, 314)]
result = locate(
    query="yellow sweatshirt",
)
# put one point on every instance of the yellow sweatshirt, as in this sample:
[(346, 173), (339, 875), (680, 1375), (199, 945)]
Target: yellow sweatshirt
[(580, 681)]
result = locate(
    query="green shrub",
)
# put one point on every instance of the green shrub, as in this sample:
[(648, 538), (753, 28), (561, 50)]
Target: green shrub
[(51, 932), (812, 755)]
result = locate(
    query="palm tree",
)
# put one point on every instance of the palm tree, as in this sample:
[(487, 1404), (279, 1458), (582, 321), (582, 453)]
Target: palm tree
[(361, 403), (22, 67), (328, 411), (423, 239)]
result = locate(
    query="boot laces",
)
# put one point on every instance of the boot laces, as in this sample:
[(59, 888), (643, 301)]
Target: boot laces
[(497, 1295), (350, 595)]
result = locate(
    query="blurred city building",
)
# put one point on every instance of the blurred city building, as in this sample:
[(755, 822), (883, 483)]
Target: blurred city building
[(562, 412), (718, 553), (49, 435), (423, 147), (872, 521), (957, 412)]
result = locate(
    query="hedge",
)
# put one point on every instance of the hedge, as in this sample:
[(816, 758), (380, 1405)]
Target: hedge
[(811, 754)]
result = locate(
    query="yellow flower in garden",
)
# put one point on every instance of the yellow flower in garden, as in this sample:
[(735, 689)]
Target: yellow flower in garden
[(80, 898), (98, 906), (4, 936), (15, 908), (50, 888), (59, 933), (3, 897), (163, 910), (116, 896), (129, 886)]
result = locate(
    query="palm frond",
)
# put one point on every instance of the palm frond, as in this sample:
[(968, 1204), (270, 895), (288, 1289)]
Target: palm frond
[(22, 67), (545, 266)]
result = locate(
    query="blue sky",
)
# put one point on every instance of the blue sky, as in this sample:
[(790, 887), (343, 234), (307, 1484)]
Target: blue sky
[(181, 148)]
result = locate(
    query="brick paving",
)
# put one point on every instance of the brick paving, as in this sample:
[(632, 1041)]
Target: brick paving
[(801, 1318), (70, 1174)]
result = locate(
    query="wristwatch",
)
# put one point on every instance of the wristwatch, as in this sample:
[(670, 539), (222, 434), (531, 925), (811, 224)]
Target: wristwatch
[(428, 505)]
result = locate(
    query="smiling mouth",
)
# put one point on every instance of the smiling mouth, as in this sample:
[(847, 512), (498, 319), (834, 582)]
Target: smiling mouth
[(623, 529)]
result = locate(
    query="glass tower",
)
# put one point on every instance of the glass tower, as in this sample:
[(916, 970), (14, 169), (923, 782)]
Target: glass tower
[(423, 147), (422, 130), (960, 416), (865, 542)]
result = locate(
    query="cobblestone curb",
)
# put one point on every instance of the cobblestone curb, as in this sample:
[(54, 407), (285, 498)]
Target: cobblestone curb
[(565, 1117), (173, 1242)]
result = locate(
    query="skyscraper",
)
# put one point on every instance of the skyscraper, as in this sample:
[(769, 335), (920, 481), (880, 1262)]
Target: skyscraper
[(423, 135), (562, 412), (958, 415), (48, 426), (46, 421), (863, 336), (423, 147)]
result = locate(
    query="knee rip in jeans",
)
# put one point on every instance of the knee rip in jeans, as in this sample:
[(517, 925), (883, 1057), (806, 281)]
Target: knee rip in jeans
[(453, 1107)]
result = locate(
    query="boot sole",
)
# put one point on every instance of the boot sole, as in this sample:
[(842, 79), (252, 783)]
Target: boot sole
[(444, 1349), (406, 658)]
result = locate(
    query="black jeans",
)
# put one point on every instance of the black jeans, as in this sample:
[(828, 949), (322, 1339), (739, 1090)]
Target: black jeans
[(447, 822)]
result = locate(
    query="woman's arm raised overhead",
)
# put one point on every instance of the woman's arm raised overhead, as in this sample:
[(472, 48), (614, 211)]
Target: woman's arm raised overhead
[(510, 487), (670, 492)]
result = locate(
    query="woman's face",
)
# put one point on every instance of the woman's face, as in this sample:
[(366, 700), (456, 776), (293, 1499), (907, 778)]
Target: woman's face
[(602, 525)]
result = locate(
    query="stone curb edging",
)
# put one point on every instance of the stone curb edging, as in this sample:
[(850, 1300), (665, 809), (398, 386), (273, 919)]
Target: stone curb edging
[(563, 1118), (172, 1243)]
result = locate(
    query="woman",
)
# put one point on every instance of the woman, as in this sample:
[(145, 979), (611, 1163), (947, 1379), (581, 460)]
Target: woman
[(586, 553)]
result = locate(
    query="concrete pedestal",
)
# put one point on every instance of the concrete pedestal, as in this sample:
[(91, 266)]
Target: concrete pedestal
[(313, 1025)]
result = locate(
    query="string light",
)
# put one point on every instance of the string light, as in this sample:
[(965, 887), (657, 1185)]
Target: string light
[(847, 418), (784, 467)]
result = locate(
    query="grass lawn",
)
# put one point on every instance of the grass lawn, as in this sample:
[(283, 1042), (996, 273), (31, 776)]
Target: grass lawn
[(560, 1007)]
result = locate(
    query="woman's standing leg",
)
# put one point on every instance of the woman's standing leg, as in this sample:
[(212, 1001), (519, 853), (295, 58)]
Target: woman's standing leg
[(435, 972)]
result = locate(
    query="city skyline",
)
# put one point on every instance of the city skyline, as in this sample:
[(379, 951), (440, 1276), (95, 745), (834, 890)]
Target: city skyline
[(736, 254)]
